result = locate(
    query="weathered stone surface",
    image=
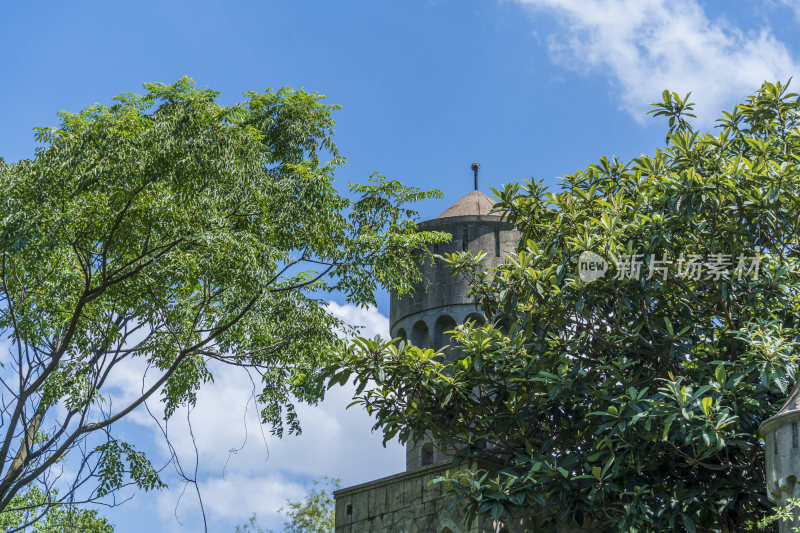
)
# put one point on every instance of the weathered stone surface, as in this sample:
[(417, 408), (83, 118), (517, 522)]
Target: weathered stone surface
[(404, 509), (781, 435), (474, 203), (440, 301)]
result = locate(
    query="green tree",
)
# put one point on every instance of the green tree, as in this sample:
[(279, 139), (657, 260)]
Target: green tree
[(312, 514), (632, 402), (183, 233), (251, 526)]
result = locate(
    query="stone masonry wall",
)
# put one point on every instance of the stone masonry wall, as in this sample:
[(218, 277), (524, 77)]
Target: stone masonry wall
[(403, 503)]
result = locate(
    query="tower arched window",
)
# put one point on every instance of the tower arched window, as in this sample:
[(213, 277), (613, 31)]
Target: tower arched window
[(477, 318), (441, 337), (427, 454), (420, 335)]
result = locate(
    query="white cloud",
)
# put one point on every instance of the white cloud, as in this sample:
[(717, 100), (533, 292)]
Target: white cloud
[(242, 467), (229, 500), (794, 4), (369, 319), (647, 46)]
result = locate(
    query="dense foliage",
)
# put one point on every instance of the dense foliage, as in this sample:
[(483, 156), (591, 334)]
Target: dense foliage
[(631, 402), (173, 232)]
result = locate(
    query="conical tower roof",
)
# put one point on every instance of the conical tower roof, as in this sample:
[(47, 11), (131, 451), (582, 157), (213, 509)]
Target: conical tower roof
[(473, 204), (789, 412)]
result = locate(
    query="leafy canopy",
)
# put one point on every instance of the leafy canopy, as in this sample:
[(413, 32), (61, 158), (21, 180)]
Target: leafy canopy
[(628, 403), (173, 231)]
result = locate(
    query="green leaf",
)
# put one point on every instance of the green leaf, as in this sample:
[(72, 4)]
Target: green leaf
[(720, 375), (705, 405), (689, 524)]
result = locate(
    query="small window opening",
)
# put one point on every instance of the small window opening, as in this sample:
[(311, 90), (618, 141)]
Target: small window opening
[(497, 242), (427, 454), (349, 509), (794, 435), (465, 239)]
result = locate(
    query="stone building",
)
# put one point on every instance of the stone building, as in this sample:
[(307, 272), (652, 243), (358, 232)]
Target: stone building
[(781, 434), (407, 502)]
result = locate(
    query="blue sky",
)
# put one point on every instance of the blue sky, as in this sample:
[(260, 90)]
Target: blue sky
[(529, 88)]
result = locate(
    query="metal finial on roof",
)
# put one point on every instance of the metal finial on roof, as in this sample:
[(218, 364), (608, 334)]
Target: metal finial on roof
[(475, 167)]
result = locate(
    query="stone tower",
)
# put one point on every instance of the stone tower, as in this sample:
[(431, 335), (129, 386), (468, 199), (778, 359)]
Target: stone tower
[(440, 302), (408, 502)]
